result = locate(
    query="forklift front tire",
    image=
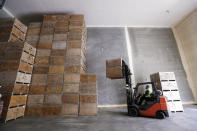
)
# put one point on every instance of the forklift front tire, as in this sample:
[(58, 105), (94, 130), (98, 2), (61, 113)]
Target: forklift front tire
[(133, 112), (160, 115)]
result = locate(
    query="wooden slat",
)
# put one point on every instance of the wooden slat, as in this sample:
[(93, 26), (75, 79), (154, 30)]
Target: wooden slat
[(49, 110), (88, 109), (35, 100), (88, 78), (17, 100), (18, 33), (54, 89), (88, 99), (71, 88), (42, 60), (27, 58), (56, 69), (20, 88), (39, 79), (57, 60), (70, 109), (53, 99), (34, 110), (70, 98), (30, 49), (37, 90), (71, 78), (23, 78), (20, 26), (24, 67)]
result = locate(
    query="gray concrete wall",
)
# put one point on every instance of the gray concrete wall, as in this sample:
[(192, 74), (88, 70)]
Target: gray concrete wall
[(4, 14), (103, 44), (155, 50)]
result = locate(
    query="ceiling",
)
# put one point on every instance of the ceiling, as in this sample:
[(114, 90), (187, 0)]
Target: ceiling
[(110, 13)]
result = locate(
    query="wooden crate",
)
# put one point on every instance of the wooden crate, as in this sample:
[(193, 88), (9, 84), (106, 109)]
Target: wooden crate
[(39, 79), (74, 69), (77, 17), (114, 69), (60, 37), (42, 60), (35, 100), (13, 113), (53, 99), (88, 88), (51, 110), (88, 98), (70, 109), (14, 100), (54, 89), (71, 78), (70, 98), (12, 30), (41, 69), (58, 60), (43, 52), (56, 69), (88, 109), (88, 78), (55, 79), (163, 76), (58, 52), (59, 45), (71, 88), (34, 110), (14, 89), (37, 90)]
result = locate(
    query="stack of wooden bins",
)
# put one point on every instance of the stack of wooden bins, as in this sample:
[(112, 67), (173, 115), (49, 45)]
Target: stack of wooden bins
[(74, 64), (16, 65), (60, 60), (166, 82), (88, 95), (53, 95), (12, 30)]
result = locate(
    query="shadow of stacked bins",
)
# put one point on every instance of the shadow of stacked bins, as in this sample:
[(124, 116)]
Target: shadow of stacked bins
[(16, 65), (88, 95), (167, 84)]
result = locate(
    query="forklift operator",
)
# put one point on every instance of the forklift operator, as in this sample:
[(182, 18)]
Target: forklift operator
[(147, 95)]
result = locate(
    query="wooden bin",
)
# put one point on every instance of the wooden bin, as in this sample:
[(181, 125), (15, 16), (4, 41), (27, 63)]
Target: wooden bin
[(12, 30), (16, 65), (114, 69)]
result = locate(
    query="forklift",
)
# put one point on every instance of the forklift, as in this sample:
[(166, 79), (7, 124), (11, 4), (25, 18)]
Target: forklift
[(156, 106)]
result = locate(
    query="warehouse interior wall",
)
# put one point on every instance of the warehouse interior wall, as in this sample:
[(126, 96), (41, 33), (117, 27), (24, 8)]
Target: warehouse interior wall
[(4, 13), (102, 44), (155, 50), (186, 36)]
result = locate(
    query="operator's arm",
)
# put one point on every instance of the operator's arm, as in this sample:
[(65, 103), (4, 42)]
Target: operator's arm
[(146, 93)]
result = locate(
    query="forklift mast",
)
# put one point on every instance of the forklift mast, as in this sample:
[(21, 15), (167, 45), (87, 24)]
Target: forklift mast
[(127, 75)]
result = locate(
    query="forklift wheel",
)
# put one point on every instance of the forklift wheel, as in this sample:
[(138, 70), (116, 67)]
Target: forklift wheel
[(133, 112), (160, 115)]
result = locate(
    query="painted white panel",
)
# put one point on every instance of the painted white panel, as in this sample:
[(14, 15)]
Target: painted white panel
[(161, 13)]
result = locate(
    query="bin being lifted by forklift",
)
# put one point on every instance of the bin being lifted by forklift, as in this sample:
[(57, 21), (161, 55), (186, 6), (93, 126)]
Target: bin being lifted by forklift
[(156, 106)]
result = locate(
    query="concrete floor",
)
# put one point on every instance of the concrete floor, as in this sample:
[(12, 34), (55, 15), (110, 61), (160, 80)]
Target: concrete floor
[(107, 120)]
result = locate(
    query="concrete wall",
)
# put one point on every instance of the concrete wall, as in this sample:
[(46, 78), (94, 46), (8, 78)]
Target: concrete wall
[(153, 50), (186, 36), (4, 13), (103, 44)]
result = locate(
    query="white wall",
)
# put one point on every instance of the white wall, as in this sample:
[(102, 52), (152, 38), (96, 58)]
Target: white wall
[(144, 13), (186, 36)]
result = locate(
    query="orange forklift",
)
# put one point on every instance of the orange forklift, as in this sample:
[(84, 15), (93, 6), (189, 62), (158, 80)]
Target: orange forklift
[(156, 106)]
